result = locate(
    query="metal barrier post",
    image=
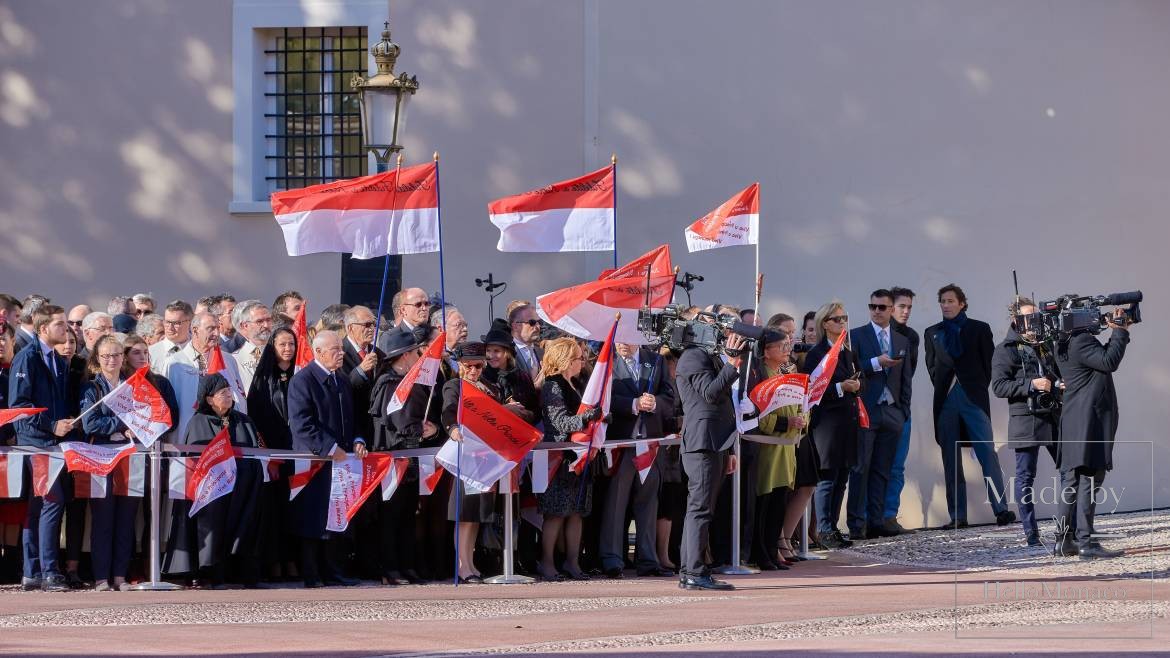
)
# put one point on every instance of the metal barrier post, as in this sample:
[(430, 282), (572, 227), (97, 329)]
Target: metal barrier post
[(155, 584)]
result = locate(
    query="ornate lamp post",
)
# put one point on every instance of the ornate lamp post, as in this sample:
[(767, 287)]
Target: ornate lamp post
[(383, 99)]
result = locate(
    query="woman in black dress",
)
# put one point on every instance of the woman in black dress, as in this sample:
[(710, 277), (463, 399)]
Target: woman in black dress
[(833, 425), (474, 508), (569, 497)]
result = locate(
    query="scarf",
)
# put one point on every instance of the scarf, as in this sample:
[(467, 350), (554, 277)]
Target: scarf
[(950, 336)]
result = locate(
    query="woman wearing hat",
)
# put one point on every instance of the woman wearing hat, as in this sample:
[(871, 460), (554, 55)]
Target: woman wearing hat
[(473, 508), (568, 497), (226, 527), (516, 387), (406, 428)]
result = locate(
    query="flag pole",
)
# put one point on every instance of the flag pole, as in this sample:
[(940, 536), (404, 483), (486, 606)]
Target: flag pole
[(613, 165), (442, 279), (382, 167)]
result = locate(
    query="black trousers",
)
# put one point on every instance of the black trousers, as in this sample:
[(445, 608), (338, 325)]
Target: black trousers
[(705, 471), (320, 557), (721, 525), (769, 524), (1076, 507), (396, 529)]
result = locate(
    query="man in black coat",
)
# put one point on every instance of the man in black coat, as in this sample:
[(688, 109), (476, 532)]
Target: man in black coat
[(704, 385), (882, 353), (903, 306), (641, 398), (1088, 426), (958, 356), (361, 365), (320, 411), (1020, 369)]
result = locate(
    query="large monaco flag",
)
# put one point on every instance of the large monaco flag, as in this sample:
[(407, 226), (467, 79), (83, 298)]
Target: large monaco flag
[(586, 310), (138, 404), (819, 378), (572, 215), (371, 216), (735, 222), (424, 371), (494, 441), (214, 475), (596, 396)]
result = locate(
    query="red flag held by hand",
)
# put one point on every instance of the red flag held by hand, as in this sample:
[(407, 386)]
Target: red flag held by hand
[(301, 329)]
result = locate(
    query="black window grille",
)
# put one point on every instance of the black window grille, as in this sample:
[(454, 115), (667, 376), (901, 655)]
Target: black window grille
[(313, 130)]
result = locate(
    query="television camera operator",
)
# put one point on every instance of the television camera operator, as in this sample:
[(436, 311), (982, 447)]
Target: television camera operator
[(1023, 371)]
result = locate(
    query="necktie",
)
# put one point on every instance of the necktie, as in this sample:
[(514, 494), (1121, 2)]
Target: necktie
[(256, 353), (361, 355), (202, 361), (632, 366), (885, 341)]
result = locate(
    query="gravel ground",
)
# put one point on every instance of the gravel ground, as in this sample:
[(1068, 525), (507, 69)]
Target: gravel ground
[(1144, 536)]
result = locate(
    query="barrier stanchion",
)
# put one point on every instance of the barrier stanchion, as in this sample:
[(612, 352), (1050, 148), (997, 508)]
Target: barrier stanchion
[(804, 552), (155, 584), (509, 577), (736, 568)]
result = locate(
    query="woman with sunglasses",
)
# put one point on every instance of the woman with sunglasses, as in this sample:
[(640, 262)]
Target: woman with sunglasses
[(833, 424)]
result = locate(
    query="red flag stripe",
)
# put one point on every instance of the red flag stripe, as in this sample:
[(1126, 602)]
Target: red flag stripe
[(417, 188), (593, 190)]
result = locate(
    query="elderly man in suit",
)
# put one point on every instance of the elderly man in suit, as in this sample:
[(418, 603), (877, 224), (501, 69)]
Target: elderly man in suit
[(37, 379), (958, 357), (320, 412), (882, 353), (641, 398), (253, 322), (361, 365), (704, 384)]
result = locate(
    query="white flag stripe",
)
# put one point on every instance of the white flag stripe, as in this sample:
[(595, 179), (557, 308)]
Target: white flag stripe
[(748, 225), (13, 475), (365, 233), (477, 465), (560, 229), (592, 319), (539, 471), (177, 478)]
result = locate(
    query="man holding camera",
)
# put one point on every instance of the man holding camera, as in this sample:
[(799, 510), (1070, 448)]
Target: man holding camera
[(704, 384), (1024, 375), (1088, 425)]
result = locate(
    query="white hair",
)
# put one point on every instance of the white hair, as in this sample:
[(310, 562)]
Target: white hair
[(148, 324), (243, 311), (90, 320), (324, 337)]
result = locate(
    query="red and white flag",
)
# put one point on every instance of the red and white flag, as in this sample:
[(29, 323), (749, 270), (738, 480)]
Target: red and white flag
[(11, 474), (819, 378), (545, 464), (138, 404), (587, 310), (394, 476), (19, 413), (596, 396), (127, 479), (736, 222), (301, 331), (45, 471), (214, 475), (217, 364), (572, 215), (494, 440), (862, 415), (178, 472), (424, 371), (644, 454), (353, 480), (779, 391), (94, 459), (370, 216), (303, 472), (429, 475)]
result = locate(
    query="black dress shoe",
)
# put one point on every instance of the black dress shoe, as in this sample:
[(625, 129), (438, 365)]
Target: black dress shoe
[(859, 535), (614, 573), (1095, 551), (412, 577), (892, 526), (75, 582), (394, 578), (341, 581), (656, 572), (879, 531), (54, 584), (313, 584), (834, 541), (1032, 537), (703, 582), (471, 580), (1005, 517)]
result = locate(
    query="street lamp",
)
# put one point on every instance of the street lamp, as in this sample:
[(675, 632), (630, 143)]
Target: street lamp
[(383, 99)]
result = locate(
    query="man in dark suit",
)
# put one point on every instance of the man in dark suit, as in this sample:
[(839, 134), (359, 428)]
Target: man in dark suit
[(361, 365), (320, 414), (641, 398), (1088, 426), (38, 379), (903, 306), (882, 353), (704, 385), (958, 356)]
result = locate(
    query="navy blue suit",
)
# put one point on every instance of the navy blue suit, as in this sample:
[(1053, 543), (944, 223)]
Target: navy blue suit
[(32, 383), (870, 476)]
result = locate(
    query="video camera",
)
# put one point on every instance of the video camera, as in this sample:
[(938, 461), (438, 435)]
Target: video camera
[(1059, 319), (706, 330)]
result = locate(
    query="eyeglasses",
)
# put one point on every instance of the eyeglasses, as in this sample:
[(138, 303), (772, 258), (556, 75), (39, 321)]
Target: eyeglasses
[(532, 323), (365, 325), (472, 365), (423, 304), (75, 323), (878, 307), (175, 323), (109, 357), (838, 318)]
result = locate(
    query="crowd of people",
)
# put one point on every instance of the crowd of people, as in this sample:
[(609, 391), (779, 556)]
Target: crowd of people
[(849, 451)]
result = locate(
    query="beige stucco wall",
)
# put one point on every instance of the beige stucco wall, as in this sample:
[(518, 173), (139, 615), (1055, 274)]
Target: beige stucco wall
[(901, 142)]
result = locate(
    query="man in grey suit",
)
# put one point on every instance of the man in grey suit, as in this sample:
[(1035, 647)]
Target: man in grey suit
[(642, 398), (882, 353), (704, 385)]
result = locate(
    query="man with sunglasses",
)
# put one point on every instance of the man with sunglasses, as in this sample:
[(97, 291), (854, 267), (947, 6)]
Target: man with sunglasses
[(525, 334), (882, 354), (415, 311), (361, 363), (75, 318)]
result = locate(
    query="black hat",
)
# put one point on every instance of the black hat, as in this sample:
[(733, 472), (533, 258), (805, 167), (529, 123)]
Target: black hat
[(399, 342), (470, 350), (500, 335), (124, 323), (209, 385)]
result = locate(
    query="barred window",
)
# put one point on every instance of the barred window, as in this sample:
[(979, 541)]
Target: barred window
[(312, 118)]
